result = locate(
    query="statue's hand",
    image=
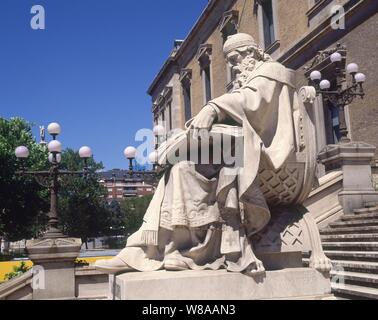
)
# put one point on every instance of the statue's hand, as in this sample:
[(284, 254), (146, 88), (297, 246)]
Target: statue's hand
[(203, 122)]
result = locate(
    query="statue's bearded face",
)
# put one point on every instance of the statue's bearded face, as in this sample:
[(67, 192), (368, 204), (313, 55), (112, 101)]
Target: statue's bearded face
[(242, 61), (235, 61)]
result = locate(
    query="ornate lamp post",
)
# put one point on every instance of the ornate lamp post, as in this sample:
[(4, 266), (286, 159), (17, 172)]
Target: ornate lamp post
[(344, 94), (54, 253), (153, 159), (50, 178), (352, 157), (130, 153)]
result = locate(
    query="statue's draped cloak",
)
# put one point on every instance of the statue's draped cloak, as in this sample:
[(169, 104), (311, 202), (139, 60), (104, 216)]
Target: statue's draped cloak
[(264, 108)]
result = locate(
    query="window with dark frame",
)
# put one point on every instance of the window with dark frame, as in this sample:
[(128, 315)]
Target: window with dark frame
[(229, 30), (163, 115), (185, 79), (268, 22), (331, 111), (170, 124), (228, 27), (204, 60), (331, 119), (207, 82), (187, 101)]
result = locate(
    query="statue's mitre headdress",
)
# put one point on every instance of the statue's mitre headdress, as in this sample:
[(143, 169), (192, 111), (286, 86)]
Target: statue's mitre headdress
[(238, 41)]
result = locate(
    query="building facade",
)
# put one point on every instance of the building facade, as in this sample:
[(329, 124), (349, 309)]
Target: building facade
[(292, 32), (121, 184)]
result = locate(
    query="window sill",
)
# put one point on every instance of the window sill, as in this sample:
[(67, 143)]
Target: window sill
[(317, 7), (273, 47)]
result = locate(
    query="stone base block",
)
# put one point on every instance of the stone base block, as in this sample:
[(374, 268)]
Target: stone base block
[(54, 268), (298, 283), (354, 199), (56, 281)]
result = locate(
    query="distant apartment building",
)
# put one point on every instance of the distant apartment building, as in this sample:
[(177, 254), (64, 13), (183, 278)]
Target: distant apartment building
[(121, 184)]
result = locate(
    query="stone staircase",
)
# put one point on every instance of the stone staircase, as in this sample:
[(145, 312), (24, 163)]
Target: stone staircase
[(352, 245)]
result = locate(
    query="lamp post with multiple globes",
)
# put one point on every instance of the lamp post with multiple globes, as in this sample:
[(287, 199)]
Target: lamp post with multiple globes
[(50, 178), (343, 95), (131, 153)]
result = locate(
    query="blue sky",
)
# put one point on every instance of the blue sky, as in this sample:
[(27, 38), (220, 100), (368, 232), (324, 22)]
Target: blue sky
[(90, 68)]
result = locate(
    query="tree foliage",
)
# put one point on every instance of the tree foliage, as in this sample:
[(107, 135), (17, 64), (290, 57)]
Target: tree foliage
[(82, 202), (117, 218), (22, 201), (134, 210), (82, 206)]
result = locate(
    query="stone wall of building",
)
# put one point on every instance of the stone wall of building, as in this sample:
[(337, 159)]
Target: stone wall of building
[(292, 21), (218, 65), (362, 49), (302, 28), (248, 24)]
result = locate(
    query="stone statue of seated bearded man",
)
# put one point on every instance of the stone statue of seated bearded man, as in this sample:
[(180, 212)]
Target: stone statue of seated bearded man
[(203, 217)]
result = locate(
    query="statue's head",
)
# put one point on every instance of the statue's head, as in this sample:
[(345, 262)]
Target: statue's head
[(242, 52)]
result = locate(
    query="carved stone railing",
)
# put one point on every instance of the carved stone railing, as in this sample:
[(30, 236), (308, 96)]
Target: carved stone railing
[(19, 288)]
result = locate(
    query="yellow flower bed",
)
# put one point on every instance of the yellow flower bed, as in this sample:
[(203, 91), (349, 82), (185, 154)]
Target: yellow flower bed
[(7, 267)]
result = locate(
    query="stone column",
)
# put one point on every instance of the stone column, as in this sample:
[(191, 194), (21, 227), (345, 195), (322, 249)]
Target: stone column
[(355, 159), (54, 267)]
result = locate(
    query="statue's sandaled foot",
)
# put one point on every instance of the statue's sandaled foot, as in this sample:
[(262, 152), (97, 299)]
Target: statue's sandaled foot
[(175, 265), (257, 269), (112, 266)]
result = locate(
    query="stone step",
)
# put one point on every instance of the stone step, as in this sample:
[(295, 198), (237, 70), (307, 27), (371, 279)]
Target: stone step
[(353, 255), (367, 237), (356, 266), (355, 277), (369, 208), (360, 216), (355, 291), (353, 266), (351, 246), (350, 229), (354, 223)]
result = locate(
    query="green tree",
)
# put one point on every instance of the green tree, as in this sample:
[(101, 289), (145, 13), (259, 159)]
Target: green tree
[(22, 200), (82, 200), (117, 218), (134, 210)]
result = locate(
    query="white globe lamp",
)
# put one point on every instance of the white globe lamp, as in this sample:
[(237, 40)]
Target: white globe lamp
[(130, 153), (57, 159), (153, 157), (55, 146), (325, 85), (54, 129), (316, 76), (159, 130), (85, 152), (360, 78), (22, 152), (352, 68), (336, 57)]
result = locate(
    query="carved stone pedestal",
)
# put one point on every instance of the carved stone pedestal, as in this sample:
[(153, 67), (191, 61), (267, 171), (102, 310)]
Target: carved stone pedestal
[(290, 284), (54, 269), (355, 159), (291, 232)]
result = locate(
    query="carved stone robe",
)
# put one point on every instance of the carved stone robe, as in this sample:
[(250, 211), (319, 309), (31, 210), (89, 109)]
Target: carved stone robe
[(204, 216)]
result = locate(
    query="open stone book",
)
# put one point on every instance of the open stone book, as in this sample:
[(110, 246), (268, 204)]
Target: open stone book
[(225, 140)]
